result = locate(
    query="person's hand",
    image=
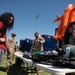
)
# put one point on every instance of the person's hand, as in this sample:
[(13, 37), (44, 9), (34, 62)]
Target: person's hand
[(38, 40), (2, 39)]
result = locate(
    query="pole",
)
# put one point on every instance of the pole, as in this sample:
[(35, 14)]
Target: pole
[(36, 22), (58, 26)]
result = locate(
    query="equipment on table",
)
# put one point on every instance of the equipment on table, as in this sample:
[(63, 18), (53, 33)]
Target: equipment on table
[(64, 57), (27, 55)]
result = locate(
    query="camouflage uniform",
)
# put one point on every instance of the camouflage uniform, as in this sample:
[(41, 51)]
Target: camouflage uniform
[(32, 50), (39, 45), (16, 47), (10, 51)]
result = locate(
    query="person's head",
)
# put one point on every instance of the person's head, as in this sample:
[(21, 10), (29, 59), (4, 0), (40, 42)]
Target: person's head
[(13, 35), (16, 42), (71, 28), (36, 34), (7, 19)]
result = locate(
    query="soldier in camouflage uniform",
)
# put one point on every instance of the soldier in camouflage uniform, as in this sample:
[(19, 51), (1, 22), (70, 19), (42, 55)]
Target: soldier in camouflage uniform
[(16, 46), (10, 50), (38, 42)]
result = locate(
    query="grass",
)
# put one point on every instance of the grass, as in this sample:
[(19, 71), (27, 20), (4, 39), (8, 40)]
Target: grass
[(14, 70)]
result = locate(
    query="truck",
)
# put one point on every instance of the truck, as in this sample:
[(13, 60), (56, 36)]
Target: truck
[(50, 43)]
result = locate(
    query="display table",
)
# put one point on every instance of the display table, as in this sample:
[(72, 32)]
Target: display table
[(54, 70), (28, 68)]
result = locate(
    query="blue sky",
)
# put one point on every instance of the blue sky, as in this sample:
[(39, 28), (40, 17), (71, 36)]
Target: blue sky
[(25, 12)]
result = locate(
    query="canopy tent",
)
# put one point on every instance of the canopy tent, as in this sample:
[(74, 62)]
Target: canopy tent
[(65, 19)]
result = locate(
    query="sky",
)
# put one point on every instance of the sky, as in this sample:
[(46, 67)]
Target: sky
[(26, 11)]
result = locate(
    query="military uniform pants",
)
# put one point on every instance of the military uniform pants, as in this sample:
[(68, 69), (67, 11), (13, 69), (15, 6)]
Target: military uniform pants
[(10, 57)]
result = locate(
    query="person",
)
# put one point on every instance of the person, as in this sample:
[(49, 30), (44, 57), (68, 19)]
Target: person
[(6, 24), (10, 51), (32, 50), (16, 46), (39, 42), (71, 30), (18, 61)]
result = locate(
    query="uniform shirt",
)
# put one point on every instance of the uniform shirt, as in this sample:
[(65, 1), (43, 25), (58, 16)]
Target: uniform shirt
[(16, 47), (32, 50), (39, 45), (10, 43), (72, 39)]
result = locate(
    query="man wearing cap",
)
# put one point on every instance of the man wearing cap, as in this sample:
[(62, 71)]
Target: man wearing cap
[(38, 42), (10, 50)]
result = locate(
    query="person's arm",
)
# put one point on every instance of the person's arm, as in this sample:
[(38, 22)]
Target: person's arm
[(42, 40), (1, 27), (9, 42), (2, 39)]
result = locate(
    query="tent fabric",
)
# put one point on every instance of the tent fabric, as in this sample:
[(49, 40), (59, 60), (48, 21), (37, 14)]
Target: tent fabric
[(65, 19)]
